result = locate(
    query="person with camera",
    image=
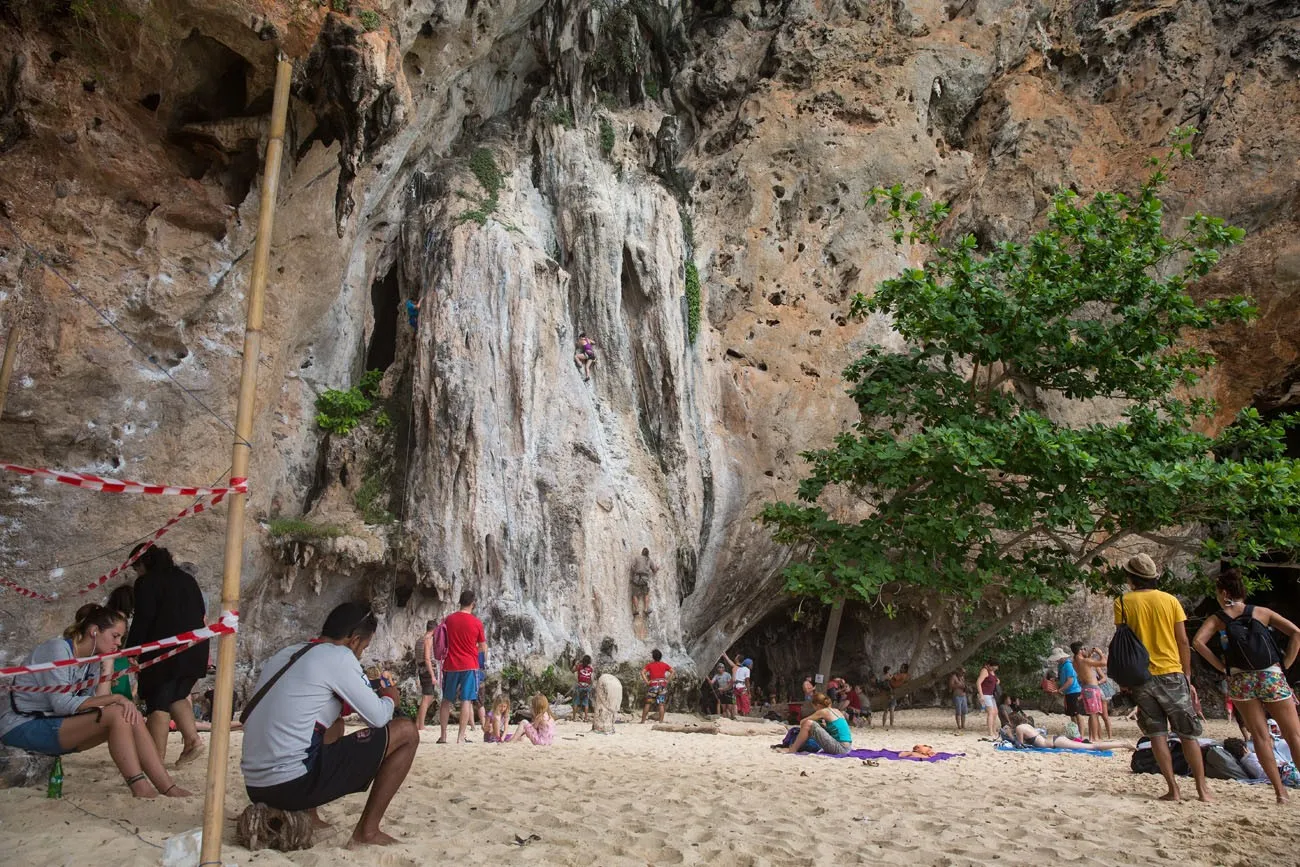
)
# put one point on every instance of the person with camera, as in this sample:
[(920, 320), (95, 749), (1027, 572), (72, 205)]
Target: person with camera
[(295, 754)]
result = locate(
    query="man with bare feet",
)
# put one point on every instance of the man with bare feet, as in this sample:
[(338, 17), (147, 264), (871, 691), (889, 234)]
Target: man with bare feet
[(295, 754), (1167, 700), (1087, 661), (656, 675), (428, 677), (465, 642), (643, 569)]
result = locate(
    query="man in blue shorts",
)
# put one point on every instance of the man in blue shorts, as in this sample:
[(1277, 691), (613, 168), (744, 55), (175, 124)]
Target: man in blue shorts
[(460, 671)]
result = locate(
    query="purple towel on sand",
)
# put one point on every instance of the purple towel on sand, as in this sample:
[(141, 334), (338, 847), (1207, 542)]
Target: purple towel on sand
[(889, 755)]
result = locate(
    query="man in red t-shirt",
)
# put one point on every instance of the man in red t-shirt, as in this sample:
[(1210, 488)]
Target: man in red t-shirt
[(465, 640), (656, 675)]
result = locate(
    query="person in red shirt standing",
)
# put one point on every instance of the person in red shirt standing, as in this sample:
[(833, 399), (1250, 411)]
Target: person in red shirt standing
[(656, 675), (465, 641)]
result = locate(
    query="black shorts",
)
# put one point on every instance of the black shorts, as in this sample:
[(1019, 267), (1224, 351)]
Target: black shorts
[(427, 686), (1074, 705), (161, 696), (333, 770)]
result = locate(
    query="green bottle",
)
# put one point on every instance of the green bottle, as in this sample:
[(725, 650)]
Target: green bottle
[(55, 789)]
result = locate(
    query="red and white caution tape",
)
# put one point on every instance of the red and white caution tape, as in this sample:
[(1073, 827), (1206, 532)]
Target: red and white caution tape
[(135, 668), (124, 486), (226, 625), (196, 509)]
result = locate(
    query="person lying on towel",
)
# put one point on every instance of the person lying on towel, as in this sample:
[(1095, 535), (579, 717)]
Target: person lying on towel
[(1026, 736)]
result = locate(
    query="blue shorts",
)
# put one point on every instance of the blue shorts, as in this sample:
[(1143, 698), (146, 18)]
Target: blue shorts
[(38, 736), (583, 697), (460, 685)]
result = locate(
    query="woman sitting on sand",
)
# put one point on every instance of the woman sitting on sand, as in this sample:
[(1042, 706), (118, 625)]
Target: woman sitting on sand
[(826, 726), (1025, 735), (541, 731), (54, 723)]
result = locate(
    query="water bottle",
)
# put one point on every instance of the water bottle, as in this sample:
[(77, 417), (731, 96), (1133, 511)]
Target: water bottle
[(55, 788)]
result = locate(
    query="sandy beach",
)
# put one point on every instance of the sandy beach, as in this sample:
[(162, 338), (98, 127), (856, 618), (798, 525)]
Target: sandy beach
[(644, 797)]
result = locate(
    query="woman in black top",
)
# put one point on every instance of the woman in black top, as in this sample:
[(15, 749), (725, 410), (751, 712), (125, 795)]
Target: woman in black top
[(168, 601)]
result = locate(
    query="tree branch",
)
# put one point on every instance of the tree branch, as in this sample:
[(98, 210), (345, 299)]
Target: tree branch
[(969, 649)]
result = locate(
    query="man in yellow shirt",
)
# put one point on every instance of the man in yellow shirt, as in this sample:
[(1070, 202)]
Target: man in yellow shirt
[(1167, 700)]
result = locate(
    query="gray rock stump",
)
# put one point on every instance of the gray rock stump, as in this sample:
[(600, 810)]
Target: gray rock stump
[(608, 701), (19, 768)]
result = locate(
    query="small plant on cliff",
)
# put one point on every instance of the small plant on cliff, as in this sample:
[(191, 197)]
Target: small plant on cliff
[(301, 528), (606, 136), (371, 500), (559, 115), (341, 6), (369, 19), (338, 411), (956, 483), (692, 301), (483, 165)]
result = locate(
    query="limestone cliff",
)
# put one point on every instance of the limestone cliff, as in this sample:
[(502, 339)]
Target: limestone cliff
[(529, 170)]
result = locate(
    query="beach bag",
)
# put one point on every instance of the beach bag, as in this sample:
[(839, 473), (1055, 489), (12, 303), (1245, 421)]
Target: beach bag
[(1220, 765), (441, 643), (1127, 660), (1250, 644)]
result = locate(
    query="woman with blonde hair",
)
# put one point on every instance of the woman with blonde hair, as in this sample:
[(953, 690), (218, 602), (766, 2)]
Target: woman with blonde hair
[(54, 723), (826, 727), (540, 732)]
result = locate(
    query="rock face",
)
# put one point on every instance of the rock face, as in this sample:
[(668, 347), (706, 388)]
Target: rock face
[(531, 170)]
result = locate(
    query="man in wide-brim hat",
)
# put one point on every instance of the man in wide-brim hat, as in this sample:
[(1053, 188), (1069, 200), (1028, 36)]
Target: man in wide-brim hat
[(1166, 702)]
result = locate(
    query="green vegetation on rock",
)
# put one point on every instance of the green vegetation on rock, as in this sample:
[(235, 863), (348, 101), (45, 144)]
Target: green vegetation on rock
[(606, 136), (301, 528), (692, 301), (369, 19), (483, 165), (338, 411)]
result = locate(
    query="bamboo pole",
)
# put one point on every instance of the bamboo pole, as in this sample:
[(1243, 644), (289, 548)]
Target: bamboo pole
[(7, 368), (214, 813)]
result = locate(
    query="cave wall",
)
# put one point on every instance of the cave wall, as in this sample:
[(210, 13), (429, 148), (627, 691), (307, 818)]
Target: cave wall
[(128, 147)]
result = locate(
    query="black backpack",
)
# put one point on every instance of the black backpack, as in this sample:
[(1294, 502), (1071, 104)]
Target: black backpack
[(1127, 661), (1250, 645)]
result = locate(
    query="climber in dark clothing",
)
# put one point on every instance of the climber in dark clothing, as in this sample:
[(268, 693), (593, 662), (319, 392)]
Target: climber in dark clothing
[(585, 357), (168, 601)]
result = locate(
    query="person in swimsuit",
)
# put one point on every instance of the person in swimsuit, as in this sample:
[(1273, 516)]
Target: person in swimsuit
[(960, 705), (987, 687), (585, 357), (1025, 735), (825, 726)]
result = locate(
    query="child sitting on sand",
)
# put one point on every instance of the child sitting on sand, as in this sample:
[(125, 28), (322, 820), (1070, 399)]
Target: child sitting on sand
[(541, 731), (497, 721)]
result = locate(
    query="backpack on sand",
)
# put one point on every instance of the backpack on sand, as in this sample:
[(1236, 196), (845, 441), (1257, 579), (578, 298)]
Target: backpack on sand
[(1127, 660), (1250, 644)]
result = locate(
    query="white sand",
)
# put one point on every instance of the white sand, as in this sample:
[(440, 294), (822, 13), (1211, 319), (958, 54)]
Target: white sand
[(643, 797)]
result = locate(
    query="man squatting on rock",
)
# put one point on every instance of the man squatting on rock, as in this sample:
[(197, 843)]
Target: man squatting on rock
[(295, 754)]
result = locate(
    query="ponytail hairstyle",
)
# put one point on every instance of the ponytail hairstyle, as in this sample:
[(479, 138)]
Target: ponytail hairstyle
[(93, 615)]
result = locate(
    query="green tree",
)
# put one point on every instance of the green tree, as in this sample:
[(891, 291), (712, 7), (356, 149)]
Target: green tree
[(960, 485)]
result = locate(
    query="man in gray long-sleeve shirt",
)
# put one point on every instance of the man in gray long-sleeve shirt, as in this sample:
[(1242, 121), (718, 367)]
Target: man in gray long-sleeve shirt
[(294, 756)]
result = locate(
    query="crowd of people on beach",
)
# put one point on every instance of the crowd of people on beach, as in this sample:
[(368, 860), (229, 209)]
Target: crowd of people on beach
[(298, 757)]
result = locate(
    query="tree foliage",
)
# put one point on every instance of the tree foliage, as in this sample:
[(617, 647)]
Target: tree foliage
[(962, 484)]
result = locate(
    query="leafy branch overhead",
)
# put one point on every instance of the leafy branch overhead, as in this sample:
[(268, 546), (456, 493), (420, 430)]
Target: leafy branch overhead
[(959, 483)]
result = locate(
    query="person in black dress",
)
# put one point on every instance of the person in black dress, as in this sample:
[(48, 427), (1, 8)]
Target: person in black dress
[(168, 601)]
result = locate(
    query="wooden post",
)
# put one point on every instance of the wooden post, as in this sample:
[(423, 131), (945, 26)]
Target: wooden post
[(828, 643), (214, 812), (7, 368)]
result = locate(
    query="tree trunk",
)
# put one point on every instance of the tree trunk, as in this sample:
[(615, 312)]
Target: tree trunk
[(828, 643)]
